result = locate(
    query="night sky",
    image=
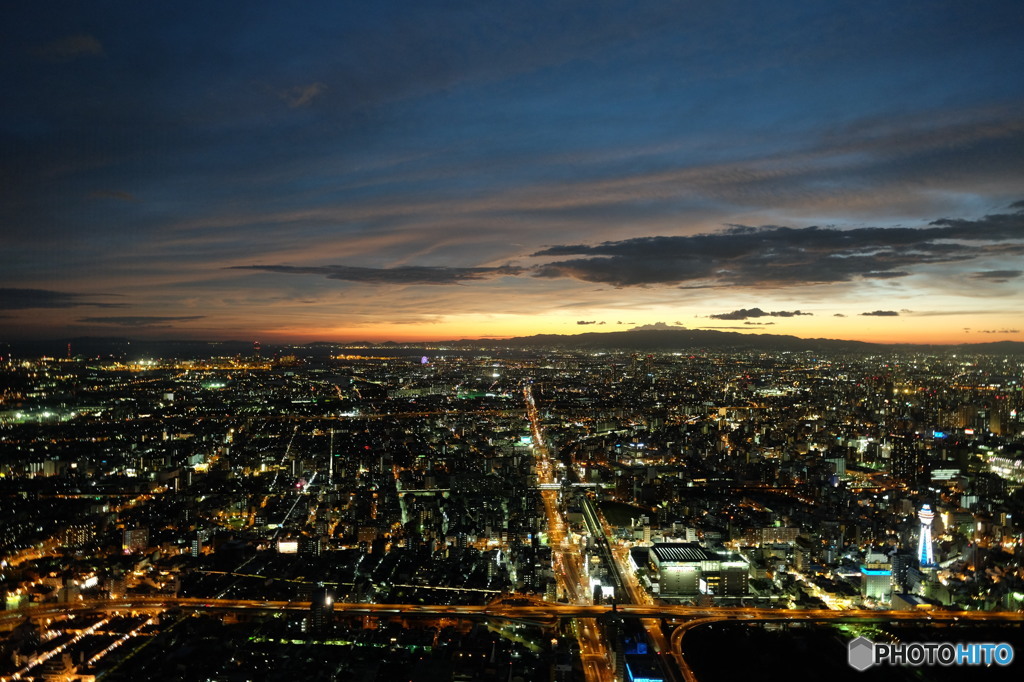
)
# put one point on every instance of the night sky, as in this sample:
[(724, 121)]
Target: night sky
[(441, 170)]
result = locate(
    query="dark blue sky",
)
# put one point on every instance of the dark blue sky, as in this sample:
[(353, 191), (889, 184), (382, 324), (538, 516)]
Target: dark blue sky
[(437, 170)]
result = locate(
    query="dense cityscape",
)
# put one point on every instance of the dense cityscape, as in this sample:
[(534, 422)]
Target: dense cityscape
[(450, 514)]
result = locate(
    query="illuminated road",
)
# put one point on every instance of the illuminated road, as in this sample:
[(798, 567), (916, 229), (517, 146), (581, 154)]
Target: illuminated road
[(566, 560), (677, 646), (538, 611), (509, 412), (618, 557), (826, 616), (585, 618)]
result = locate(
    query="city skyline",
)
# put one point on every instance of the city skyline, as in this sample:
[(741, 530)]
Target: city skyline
[(445, 171)]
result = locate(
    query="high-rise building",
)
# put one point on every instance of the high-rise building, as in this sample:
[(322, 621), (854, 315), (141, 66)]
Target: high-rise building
[(199, 540), (135, 540), (321, 607), (876, 577), (77, 535), (925, 557), (901, 561)]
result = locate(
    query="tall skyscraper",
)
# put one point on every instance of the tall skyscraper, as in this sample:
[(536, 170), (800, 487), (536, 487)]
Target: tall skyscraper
[(924, 546)]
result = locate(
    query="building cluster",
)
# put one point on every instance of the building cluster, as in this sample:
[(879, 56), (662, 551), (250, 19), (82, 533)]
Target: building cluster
[(415, 476)]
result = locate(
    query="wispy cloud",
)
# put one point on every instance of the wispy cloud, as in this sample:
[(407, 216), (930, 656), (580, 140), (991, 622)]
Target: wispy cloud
[(997, 275), (772, 255), (407, 274), (120, 195), (25, 299), (881, 313), (140, 320), (70, 47), (302, 95), (954, 312)]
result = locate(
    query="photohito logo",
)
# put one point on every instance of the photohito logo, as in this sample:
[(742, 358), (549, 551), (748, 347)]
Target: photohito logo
[(862, 653)]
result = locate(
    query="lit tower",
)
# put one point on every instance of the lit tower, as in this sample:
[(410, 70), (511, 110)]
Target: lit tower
[(330, 463), (924, 546)]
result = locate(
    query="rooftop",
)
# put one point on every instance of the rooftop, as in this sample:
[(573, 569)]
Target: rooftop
[(680, 552)]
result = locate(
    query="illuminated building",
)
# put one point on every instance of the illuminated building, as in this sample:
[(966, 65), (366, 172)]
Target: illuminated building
[(924, 546), (135, 540), (685, 568), (900, 563), (876, 577), (643, 668), (321, 606), (77, 535)]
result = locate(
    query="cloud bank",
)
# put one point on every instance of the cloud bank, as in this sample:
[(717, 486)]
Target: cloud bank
[(787, 256), (767, 256)]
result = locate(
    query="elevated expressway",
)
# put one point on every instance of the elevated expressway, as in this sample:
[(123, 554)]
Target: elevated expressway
[(541, 613), (537, 612)]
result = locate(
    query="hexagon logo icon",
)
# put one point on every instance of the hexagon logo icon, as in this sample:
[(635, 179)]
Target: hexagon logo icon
[(861, 653)]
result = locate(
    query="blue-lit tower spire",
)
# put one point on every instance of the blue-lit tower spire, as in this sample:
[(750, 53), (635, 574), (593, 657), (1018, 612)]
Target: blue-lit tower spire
[(924, 546)]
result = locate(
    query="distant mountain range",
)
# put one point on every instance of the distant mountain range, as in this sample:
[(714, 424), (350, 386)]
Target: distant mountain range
[(687, 339), (681, 340)]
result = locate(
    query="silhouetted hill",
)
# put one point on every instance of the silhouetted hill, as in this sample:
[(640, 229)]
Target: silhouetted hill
[(694, 339), (682, 340), (994, 348)]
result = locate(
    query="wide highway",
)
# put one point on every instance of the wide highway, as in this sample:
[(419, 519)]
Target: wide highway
[(536, 612)]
